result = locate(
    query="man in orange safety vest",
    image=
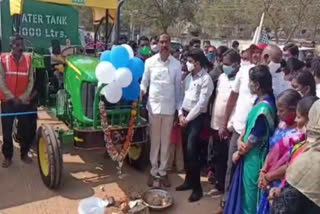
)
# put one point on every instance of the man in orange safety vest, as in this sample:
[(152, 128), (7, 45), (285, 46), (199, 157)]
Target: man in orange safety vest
[(16, 83)]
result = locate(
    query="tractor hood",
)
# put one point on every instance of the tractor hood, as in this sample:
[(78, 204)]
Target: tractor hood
[(83, 66)]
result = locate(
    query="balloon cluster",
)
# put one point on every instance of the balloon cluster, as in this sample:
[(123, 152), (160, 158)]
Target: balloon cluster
[(120, 71)]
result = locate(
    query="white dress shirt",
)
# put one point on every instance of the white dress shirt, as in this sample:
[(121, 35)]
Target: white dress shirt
[(164, 82), (224, 88), (279, 84), (245, 99), (197, 91)]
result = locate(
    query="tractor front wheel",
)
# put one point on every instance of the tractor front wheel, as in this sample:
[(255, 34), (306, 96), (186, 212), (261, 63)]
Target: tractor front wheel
[(49, 156)]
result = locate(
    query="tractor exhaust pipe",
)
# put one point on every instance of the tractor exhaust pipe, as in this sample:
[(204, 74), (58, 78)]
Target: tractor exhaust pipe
[(118, 21)]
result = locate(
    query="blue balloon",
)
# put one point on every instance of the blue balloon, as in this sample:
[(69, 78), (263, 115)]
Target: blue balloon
[(136, 66), (105, 56), (131, 92), (119, 57)]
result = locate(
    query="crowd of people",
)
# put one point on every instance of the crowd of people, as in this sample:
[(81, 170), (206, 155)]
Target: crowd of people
[(251, 119)]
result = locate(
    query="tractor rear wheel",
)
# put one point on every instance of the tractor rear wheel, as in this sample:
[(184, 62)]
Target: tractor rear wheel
[(49, 156)]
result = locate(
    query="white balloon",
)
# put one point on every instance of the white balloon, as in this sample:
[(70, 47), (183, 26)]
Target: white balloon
[(129, 49), (123, 77), (105, 72), (112, 92)]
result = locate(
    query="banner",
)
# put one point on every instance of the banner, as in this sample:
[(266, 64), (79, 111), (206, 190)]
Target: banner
[(42, 22)]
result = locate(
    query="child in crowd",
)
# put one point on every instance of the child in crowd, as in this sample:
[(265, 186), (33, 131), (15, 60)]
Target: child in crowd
[(176, 151), (287, 199), (305, 84), (303, 109)]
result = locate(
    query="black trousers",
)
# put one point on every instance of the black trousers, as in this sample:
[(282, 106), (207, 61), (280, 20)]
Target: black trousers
[(192, 149), (26, 128), (219, 159)]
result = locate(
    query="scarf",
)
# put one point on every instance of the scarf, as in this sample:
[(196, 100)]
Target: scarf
[(304, 172)]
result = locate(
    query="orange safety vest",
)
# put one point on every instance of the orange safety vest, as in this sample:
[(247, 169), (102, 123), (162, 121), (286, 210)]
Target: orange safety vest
[(16, 75)]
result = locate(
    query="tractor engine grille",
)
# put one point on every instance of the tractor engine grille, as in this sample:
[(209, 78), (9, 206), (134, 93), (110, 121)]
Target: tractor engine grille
[(87, 97)]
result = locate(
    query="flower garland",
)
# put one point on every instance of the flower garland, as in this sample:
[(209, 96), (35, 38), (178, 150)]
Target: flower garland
[(113, 152)]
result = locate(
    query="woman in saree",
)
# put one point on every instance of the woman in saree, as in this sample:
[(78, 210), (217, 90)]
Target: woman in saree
[(253, 145), (284, 138), (301, 190)]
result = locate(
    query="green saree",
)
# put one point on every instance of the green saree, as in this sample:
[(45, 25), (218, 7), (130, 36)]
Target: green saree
[(254, 159)]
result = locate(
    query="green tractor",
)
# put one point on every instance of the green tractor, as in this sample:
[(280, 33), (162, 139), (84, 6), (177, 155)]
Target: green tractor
[(76, 104)]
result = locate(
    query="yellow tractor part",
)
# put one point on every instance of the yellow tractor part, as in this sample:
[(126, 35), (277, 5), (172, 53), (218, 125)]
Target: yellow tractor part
[(98, 7), (16, 7), (59, 68), (43, 156), (135, 152)]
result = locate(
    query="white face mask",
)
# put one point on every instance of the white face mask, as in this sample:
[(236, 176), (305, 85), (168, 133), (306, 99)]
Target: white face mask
[(273, 67), (155, 48), (190, 66), (245, 62)]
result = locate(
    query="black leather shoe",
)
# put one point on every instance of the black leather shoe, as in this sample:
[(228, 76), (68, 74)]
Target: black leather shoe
[(183, 187), (195, 196), (26, 159)]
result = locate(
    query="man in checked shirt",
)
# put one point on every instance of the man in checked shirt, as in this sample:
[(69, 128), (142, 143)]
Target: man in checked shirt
[(198, 88)]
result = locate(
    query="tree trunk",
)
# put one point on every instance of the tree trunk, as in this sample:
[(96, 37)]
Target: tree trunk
[(164, 28), (291, 33), (315, 32), (276, 35)]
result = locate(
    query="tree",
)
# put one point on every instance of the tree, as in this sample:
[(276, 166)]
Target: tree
[(226, 18), (85, 18), (158, 14), (313, 20), (229, 18), (286, 15), (274, 10)]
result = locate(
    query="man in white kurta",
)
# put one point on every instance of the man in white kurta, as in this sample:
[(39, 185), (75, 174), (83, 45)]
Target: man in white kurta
[(163, 77)]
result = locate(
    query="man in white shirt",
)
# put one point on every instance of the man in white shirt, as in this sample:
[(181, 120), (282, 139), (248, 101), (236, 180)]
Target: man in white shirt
[(272, 56), (198, 88), (230, 67), (240, 103), (163, 77)]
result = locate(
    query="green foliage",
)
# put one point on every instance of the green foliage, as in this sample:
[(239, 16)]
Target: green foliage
[(225, 18), (158, 14)]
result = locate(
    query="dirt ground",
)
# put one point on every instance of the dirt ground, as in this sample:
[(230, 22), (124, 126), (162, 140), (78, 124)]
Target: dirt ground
[(85, 173)]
